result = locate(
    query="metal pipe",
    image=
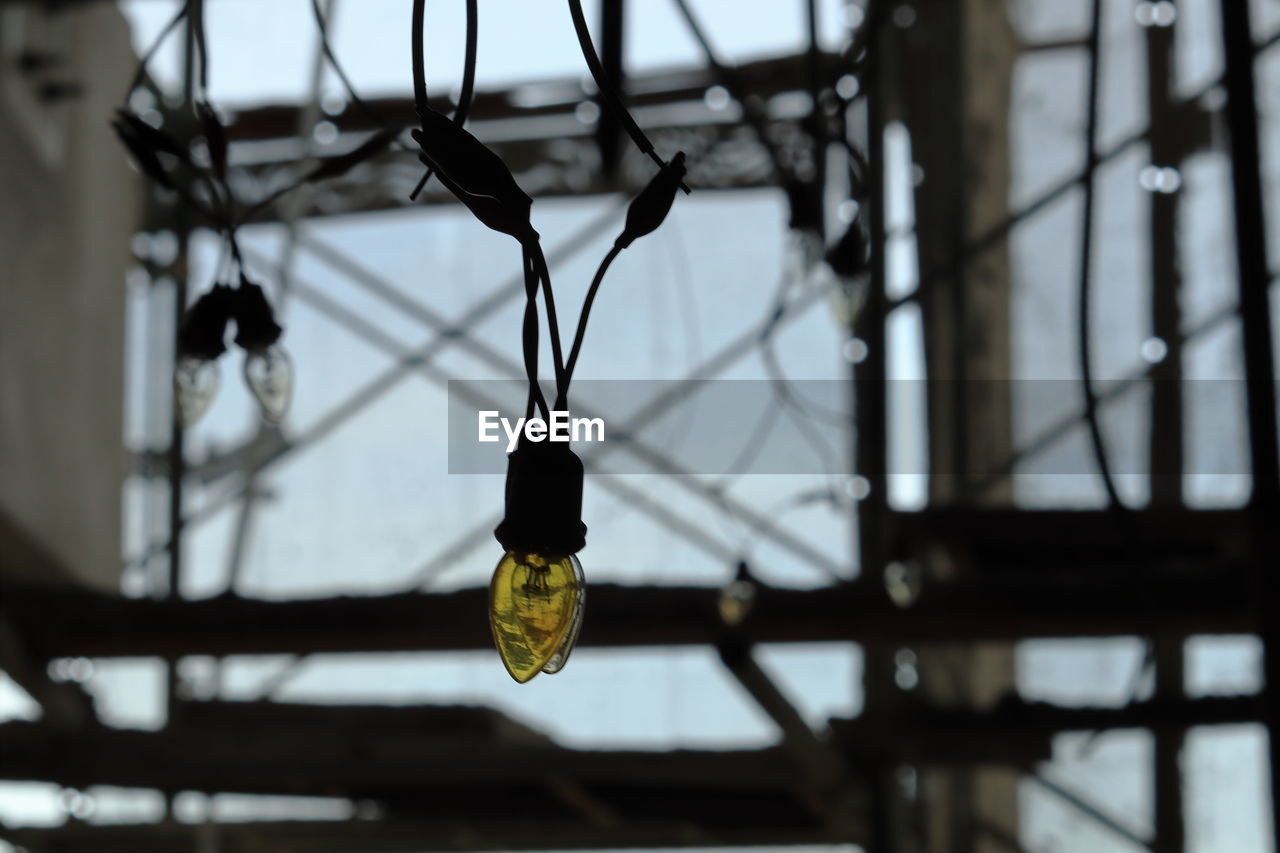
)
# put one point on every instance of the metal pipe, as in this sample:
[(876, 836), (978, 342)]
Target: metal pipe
[(1259, 352)]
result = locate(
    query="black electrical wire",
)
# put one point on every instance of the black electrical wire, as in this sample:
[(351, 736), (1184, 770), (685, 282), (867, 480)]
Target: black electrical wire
[(195, 20), (752, 110), (140, 74), (419, 61), (467, 94), (219, 195), (553, 325), (530, 336), (582, 322), (322, 25), (605, 85), (465, 98), (1086, 249)]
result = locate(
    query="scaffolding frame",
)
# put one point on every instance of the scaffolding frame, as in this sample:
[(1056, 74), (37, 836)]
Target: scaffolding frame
[(836, 789)]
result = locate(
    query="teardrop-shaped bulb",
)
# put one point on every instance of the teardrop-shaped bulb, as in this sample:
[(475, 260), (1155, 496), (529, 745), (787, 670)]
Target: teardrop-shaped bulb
[(535, 610), (561, 656), (269, 373), (195, 384)]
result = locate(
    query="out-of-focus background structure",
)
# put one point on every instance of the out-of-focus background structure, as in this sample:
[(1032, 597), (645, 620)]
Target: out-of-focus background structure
[(1028, 601)]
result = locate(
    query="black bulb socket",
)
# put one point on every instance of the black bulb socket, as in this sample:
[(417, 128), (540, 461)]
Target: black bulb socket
[(850, 255), (543, 501), (256, 326), (204, 326)]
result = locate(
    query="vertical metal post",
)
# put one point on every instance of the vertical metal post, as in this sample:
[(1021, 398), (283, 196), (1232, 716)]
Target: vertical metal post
[(608, 127), (871, 431), (869, 376), (817, 125), (177, 457), (1165, 454), (1255, 316), (1167, 150), (1170, 826)]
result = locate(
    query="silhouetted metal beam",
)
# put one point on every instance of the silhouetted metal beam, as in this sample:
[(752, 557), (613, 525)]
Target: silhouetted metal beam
[(608, 128), (822, 765), (1091, 810), (82, 624), (410, 835), (557, 97), (1016, 718), (353, 762), (1249, 214)]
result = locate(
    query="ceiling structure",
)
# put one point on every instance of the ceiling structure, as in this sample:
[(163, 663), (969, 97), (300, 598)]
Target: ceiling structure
[(968, 572)]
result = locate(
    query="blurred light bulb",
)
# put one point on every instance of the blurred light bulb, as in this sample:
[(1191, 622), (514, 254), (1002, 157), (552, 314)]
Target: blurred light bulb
[(195, 384), (716, 98), (903, 580), (325, 132), (269, 373), (1153, 350), (333, 103), (846, 270), (737, 597), (535, 611)]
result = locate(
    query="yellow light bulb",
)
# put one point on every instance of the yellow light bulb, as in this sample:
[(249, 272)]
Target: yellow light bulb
[(535, 611)]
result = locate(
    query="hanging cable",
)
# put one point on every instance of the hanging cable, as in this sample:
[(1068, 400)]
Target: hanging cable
[(553, 324), (1086, 249), (530, 337), (139, 75), (467, 94), (322, 25), (752, 109), (607, 90), (195, 20), (586, 313)]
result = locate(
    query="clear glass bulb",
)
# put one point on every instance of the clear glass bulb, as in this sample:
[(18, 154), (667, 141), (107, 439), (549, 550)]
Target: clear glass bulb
[(269, 373), (195, 384), (535, 611), (561, 656)]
